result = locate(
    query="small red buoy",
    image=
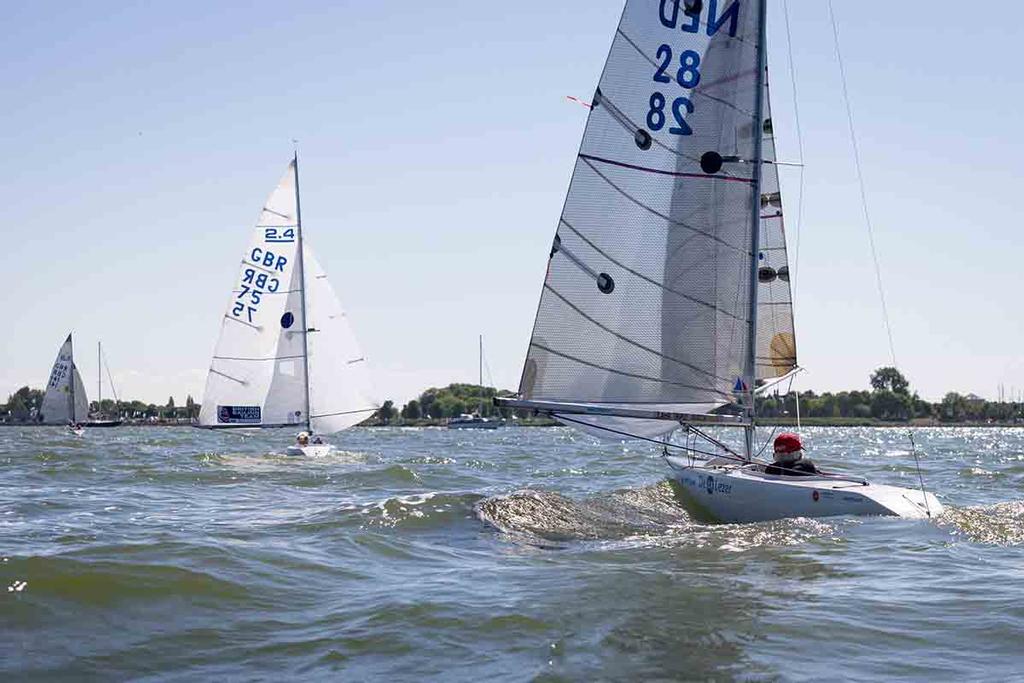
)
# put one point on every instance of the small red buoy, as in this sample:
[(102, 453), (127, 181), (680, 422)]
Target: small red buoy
[(815, 495)]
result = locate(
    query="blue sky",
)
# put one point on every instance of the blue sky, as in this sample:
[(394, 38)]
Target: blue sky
[(436, 146)]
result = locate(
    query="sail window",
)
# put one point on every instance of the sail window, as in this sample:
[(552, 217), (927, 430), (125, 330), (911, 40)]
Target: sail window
[(784, 273), (767, 127), (711, 162), (693, 7), (555, 246), (287, 320), (605, 283), (771, 199), (766, 274), (642, 138)]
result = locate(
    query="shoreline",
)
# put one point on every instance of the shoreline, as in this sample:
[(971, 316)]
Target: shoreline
[(541, 423)]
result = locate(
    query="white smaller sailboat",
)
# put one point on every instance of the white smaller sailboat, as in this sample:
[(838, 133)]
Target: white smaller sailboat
[(476, 420), (65, 401), (286, 356)]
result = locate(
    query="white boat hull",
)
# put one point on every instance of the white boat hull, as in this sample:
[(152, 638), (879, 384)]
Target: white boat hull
[(729, 493), (317, 450)]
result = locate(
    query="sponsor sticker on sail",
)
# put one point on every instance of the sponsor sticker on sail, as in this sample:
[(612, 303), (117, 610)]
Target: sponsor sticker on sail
[(239, 414)]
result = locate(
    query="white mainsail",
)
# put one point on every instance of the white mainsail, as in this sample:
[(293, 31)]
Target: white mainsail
[(284, 356), (65, 399), (646, 314)]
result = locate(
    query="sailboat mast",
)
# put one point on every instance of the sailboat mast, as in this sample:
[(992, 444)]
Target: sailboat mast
[(99, 373), (755, 224), (302, 290), (481, 410)]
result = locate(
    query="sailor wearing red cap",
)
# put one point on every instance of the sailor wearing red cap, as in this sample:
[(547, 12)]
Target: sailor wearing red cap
[(789, 458)]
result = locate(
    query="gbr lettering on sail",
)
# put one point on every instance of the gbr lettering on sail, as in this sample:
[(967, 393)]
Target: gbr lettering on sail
[(682, 66), (261, 274)]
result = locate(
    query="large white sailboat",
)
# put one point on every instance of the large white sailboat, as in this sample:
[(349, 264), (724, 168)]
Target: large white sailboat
[(65, 401), (286, 356), (667, 300)]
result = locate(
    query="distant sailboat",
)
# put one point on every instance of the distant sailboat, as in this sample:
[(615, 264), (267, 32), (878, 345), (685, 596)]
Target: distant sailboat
[(98, 420), (286, 356), (476, 420), (65, 402), (667, 302)]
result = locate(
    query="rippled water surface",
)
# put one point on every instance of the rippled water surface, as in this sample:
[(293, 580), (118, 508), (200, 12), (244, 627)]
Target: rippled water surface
[(171, 553)]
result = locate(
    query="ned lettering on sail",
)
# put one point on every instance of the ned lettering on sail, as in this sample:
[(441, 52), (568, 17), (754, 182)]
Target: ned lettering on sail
[(670, 13)]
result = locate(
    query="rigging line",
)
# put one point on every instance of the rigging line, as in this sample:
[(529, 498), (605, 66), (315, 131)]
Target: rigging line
[(800, 146), (776, 427), (632, 342), (597, 366), (871, 235), (240, 358), (724, 456), (664, 444), (640, 275), (920, 477), (110, 380), (344, 412), (860, 181)]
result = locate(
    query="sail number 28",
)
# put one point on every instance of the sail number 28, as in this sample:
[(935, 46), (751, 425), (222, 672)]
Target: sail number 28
[(687, 75)]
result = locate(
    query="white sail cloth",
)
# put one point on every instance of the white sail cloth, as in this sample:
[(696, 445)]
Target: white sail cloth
[(340, 387), (65, 399), (646, 297), (258, 376), (776, 339)]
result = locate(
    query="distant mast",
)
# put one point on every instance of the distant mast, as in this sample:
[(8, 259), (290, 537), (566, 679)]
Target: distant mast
[(481, 409)]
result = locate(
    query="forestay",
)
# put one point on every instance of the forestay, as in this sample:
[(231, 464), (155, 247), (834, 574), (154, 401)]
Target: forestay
[(65, 399), (646, 298)]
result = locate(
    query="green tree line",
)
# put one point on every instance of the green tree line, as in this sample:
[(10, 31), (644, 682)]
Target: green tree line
[(25, 404), (889, 399)]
